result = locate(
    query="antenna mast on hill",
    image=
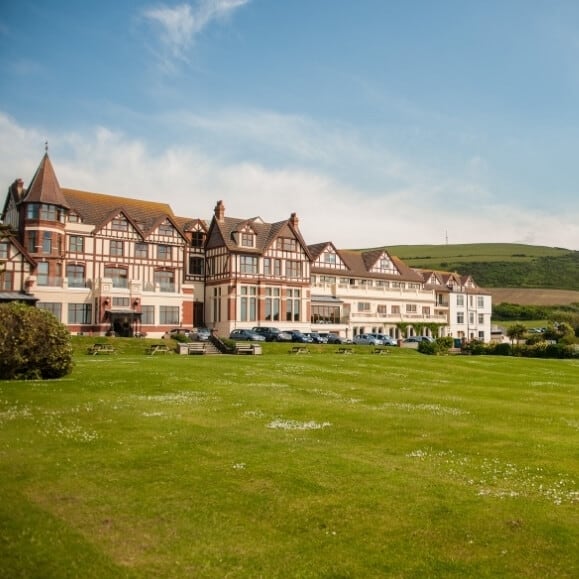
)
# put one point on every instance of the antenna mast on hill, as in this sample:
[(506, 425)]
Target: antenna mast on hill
[(446, 236)]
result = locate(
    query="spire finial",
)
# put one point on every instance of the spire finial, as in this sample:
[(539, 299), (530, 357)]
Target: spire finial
[(46, 147)]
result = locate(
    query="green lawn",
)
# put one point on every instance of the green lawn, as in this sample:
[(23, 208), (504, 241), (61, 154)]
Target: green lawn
[(320, 465)]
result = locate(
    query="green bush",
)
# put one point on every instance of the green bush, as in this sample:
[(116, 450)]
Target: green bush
[(33, 344)]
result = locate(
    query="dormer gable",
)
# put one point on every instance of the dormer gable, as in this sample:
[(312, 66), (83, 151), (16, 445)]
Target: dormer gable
[(326, 256), (381, 263), (120, 224), (245, 236)]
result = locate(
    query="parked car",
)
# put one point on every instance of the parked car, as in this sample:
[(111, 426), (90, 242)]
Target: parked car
[(385, 339), (418, 339), (367, 339), (201, 334), (246, 335), (300, 337), (335, 339), (272, 334), (317, 338)]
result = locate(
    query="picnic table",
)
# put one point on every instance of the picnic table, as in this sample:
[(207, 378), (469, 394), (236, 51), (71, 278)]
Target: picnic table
[(299, 350), (158, 349), (96, 349), (344, 350), (380, 351)]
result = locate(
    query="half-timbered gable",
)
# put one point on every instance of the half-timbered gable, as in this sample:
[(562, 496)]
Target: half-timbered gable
[(15, 264)]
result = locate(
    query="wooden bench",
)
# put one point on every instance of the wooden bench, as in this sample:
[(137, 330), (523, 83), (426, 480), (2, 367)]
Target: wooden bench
[(344, 351), (247, 348), (196, 348), (299, 350), (380, 351), (96, 349), (158, 349)]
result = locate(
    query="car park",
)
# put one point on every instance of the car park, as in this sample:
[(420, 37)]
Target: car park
[(367, 339), (200, 334), (317, 338), (241, 334), (418, 339), (299, 337), (335, 339), (385, 339), (272, 334)]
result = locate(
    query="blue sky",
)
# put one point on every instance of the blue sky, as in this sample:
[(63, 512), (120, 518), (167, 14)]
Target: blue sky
[(379, 122)]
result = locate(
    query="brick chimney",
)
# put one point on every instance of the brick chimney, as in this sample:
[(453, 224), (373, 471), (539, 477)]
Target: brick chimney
[(220, 211), (294, 220)]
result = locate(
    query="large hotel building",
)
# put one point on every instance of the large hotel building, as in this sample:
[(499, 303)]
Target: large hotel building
[(104, 263)]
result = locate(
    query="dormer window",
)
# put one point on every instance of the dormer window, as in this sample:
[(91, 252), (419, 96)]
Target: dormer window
[(330, 258), (287, 244), (247, 239), (166, 229), (119, 224), (198, 239)]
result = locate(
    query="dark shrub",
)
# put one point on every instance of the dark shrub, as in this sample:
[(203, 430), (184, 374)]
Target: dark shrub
[(503, 349), (430, 348), (33, 344)]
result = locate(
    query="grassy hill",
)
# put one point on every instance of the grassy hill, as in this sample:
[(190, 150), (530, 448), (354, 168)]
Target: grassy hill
[(499, 265)]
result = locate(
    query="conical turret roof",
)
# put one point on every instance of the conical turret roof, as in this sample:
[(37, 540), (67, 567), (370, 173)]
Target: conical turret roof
[(44, 187)]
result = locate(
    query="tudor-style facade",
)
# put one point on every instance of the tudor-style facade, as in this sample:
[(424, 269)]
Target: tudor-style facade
[(105, 263), (356, 292), (257, 274)]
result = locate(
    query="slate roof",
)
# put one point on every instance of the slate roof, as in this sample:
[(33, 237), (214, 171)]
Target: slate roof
[(359, 264), (44, 187), (265, 233), (97, 209)]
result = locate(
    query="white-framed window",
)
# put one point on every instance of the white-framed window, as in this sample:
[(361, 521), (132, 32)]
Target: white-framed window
[(79, 313), (293, 269), (363, 306), (75, 275), (287, 243), (293, 305), (480, 302), (272, 304), (76, 244), (481, 318), (248, 264), (54, 308), (119, 275), (248, 304), (165, 280), (330, 258), (166, 229), (169, 315), (247, 239), (411, 308), (460, 300), (4, 250), (148, 315), (141, 250), (117, 248), (460, 317), (164, 252), (119, 224)]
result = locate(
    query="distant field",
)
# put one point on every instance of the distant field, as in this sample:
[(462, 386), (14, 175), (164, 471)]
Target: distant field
[(499, 265), (534, 297), (422, 255)]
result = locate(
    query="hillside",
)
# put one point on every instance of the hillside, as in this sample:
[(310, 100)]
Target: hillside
[(499, 265)]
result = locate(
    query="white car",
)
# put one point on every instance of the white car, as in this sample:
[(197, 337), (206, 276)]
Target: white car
[(367, 339)]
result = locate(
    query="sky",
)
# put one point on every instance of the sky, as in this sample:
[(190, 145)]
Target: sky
[(378, 122)]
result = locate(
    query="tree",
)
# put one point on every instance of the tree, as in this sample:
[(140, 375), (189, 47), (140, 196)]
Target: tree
[(33, 344), (516, 332)]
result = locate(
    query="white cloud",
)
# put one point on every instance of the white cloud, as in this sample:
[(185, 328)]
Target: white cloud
[(179, 25), (191, 181)]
